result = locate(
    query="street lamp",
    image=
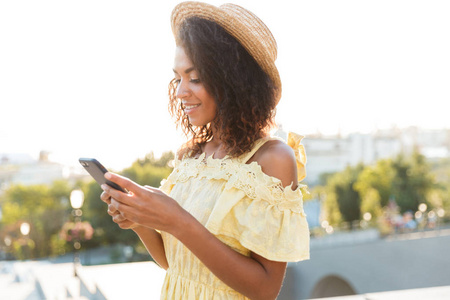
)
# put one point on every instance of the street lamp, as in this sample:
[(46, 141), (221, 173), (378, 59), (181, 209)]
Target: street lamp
[(422, 207), (25, 228), (420, 214), (25, 231), (76, 201)]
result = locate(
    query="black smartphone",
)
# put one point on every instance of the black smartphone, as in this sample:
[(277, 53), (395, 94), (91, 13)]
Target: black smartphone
[(97, 171)]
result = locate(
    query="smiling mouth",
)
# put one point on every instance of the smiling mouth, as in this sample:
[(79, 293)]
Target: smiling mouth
[(191, 106)]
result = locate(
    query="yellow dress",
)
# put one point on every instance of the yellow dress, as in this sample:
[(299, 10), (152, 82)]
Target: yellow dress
[(243, 207)]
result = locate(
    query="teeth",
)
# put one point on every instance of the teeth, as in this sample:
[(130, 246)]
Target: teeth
[(191, 106)]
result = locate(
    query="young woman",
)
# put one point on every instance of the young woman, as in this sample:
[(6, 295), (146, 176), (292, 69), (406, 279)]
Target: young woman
[(230, 216)]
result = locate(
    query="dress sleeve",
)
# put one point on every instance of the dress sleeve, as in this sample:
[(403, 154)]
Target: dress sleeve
[(263, 217), (166, 186)]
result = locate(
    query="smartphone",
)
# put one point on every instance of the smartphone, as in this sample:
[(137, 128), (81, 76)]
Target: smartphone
[(97, 171)]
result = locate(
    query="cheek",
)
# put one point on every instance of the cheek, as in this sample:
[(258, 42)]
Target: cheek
[(212, 106), (207, 100)]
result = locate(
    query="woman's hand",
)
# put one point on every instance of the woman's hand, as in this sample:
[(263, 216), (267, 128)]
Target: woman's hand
[(115, 214), (145, 206)]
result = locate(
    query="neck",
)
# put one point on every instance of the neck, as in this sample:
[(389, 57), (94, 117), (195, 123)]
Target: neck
[(214, 146), (215, 140)]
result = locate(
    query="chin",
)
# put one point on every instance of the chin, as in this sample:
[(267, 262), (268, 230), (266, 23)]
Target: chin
[(197, 123)]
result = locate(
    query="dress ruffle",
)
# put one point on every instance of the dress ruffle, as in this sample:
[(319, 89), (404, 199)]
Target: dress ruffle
[(246, 177), (276, 233)]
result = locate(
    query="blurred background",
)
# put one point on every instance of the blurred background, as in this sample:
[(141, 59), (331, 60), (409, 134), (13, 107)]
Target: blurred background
[(366, 83)]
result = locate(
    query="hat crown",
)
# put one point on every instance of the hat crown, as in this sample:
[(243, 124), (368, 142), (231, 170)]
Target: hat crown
[(262, 35)]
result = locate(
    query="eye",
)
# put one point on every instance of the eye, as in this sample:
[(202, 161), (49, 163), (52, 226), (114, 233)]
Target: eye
[(176, 80), (194, 80)]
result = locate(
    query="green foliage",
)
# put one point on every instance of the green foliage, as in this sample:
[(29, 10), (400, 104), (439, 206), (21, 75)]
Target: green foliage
[(412, 181), (439, 197), (379, 178), (44, 208), (162, 162), (47, 209), (341, 187), (331, 209), (374, 185), (408, 180), (149, 171), (371, 203)]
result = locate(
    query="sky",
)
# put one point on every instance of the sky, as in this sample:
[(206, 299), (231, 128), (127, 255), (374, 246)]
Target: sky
[(89, 78)]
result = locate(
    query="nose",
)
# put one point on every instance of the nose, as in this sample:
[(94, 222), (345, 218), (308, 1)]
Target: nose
[(182, 89)]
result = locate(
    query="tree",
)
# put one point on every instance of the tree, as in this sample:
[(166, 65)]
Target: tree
[(150, 171), (412, 181), (341, 187), (374, 185), (43, 207), (331, 210)]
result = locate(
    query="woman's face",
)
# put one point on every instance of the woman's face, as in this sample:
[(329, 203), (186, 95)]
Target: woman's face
[(198, 104)]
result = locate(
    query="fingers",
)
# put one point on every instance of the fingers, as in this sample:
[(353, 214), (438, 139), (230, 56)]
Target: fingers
[(112, 211), (118, 207), (118, 196), (113, 204), (105, 197), (127, 224), (117, 218), (122, 222), (123, 182)]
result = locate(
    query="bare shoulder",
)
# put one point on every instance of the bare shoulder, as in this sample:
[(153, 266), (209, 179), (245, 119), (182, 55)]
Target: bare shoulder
[(277, 159)]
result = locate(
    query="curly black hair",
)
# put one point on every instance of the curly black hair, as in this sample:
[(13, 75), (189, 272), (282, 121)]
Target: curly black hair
[(244, 93)]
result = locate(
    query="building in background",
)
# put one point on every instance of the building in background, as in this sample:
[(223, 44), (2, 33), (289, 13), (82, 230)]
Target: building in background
[(330, 154), (24, 169)]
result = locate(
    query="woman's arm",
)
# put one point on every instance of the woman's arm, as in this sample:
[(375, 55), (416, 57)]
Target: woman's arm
[(254, 276), (153, 242)]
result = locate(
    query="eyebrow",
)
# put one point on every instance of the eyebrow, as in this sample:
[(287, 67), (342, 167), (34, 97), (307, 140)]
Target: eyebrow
[(187, 71)]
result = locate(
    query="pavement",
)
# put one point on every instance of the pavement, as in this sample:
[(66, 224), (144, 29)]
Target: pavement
[(139, 280), (433, 293), (38, 280)]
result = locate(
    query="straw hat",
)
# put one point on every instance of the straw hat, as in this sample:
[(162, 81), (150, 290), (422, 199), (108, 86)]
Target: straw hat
[(240, 23)]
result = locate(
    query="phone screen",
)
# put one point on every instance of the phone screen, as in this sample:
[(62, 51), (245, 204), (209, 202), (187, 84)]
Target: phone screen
[(97, 171)]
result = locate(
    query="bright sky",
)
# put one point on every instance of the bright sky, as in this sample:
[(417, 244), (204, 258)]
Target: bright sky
[(89, 78)]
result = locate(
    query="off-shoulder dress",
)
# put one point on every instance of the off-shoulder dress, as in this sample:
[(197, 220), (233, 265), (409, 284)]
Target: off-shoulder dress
[(243, 207)]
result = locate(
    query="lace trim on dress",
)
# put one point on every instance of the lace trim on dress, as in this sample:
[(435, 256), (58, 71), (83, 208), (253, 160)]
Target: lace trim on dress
[(246, 177)]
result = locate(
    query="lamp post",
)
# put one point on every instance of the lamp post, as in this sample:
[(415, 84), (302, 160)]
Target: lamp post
[(25, 231), (423, 208), (440, 214), (76, 201)]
